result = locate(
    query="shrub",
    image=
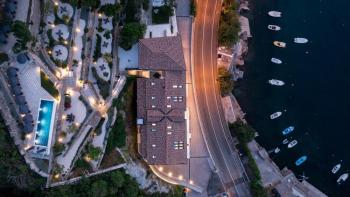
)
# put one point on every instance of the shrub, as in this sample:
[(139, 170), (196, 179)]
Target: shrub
[(103, 85), (48, 85), (3, 57), (117, 135), (244, 132), (229, 25), (94, 152), (193, 8), (161, 14), (226, 82), (110, 9), (97, 52), (58, 148)]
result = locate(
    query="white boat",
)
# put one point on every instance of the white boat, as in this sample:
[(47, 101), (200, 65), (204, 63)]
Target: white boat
[(276, 61), (280, 44), (276, 82), (285, 141), (277, 150), (274, 27), (292, 144), (343, 178), (275, 115), (300, 40), (336, 168), (276, 14)]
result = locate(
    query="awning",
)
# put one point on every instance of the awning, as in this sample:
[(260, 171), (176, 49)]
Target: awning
[(23, 109), (20, 100)]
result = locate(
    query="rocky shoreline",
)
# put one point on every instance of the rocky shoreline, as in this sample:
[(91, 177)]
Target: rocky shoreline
[(285, 181)]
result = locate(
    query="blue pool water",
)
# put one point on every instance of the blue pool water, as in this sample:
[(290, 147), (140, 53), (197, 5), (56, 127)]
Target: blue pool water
[(44, 123)]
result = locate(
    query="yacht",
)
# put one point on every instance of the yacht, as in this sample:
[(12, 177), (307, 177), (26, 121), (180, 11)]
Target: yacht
[(301, 160), (277, 150), (292, 144), (285, 141), (336, 168), (276, 82), (276, 14), (276, 61), (300, 40), (280, 44), (288, 130), (343, 178), (275, 115), (274, 27)]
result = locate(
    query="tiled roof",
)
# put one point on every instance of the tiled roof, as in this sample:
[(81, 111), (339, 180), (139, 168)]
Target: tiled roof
[(161, 101)]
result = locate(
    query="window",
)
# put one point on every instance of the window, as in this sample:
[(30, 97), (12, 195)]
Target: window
[(153, 97), (174, 86), (153, 106), (168, 106), (169, 126), (180, 86), (153, 156), (153, 145), (154, 130), (154, 124), (169, 133), (152, 83), (168, 97)]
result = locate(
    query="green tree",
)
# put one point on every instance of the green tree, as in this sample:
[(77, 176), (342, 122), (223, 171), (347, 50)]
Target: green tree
[(131, 33), (99, 189), (117, 179), (58, 147), (21, 31), (229, 26), (225, 80), (110, 9), (94, 152), (244, 132)]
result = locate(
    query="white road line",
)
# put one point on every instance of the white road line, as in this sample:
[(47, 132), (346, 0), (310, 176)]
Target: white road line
[(205, 89)]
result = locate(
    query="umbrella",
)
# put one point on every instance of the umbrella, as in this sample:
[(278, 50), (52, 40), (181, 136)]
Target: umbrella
[(23, 109), (28, 119), (20, 99), (13, 81), (16, 90), (11, 72), (28, 128)]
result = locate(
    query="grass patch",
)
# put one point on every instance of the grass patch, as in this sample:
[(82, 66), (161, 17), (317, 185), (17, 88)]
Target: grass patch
[(48, 85)]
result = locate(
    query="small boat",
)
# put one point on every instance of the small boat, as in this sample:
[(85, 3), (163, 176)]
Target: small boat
[(300, 40), (301, 160), (276, 82), (277, 150), (276, 61), (285, 141), (276, 14), (280, 44), (275, 115), (274, 27), (336, 168), (288, 130), (343, 178), (292, 144)]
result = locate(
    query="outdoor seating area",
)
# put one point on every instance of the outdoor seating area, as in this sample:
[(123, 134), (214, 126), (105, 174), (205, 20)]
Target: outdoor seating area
[(20, 99), (60, 53), (60, 32), (103, 69), (65, 11)]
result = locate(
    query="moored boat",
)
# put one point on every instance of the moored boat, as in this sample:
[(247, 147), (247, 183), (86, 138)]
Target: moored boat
[(274, 27), (288, 130), (276, 61), (277, 150), (275, 115), (276, 82), (280, 44), (285, 141), (275, 14), (292, 144), (301, 160), (300, 40), (343, 178), (336, 168)]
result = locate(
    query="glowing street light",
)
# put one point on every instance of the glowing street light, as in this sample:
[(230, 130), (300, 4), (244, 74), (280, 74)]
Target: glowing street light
[(170, 174), (77, 29)]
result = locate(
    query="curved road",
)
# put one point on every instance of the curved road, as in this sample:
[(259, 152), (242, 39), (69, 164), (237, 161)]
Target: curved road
[(208, 100)]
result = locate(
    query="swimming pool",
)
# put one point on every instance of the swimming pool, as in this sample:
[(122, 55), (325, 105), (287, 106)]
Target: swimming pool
[(44, 123)]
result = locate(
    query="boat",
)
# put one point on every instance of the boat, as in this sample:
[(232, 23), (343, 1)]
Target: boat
[(300, 40), (277, 150), (276, 14), (280, 44), (343, 178), (288, 130), (292, 144), (275, 115), (276, 82), (274, 27), (276, 61), (301, 160), (285, 141), (336, 168)]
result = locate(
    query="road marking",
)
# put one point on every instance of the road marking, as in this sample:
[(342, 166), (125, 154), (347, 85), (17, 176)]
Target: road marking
[(205, 89)]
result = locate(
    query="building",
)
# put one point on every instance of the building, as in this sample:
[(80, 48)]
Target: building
[(161, 102)]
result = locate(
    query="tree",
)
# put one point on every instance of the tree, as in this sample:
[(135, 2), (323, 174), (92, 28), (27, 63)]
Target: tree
[(225, 81), (229, 26), (99, 189), (117, 179), (93, 4), (131, 33), (58, 147), (21, 31), (244, 132), (94, 152), (110, 9)]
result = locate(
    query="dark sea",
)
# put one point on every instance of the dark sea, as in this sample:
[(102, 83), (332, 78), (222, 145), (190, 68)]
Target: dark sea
[(316, 96)]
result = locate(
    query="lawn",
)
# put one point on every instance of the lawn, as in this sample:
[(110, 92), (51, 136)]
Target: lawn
[(48, 85)]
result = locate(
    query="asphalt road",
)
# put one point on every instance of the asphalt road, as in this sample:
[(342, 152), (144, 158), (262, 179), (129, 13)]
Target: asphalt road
[(208, 100)]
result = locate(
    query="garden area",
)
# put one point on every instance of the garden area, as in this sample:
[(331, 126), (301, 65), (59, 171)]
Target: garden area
[(226, 82), (23, 35), (48, 85), (229, 26)]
